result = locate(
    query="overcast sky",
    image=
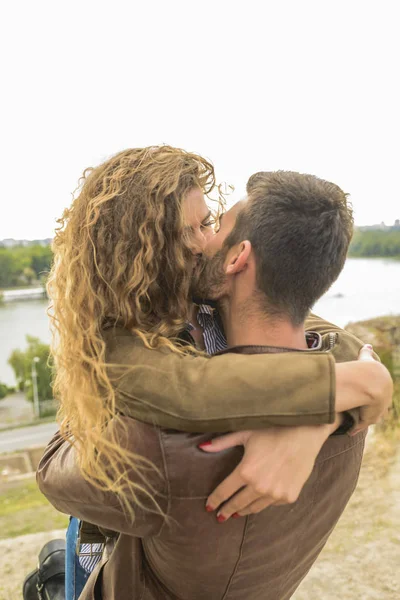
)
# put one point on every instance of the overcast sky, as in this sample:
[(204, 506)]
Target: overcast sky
[(306, 86)]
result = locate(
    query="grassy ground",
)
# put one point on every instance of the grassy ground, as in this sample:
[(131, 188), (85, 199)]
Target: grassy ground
[(27, 522), (24, 510)]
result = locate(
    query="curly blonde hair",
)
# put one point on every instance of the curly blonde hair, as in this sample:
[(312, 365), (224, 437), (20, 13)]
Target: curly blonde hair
[(120, 259)]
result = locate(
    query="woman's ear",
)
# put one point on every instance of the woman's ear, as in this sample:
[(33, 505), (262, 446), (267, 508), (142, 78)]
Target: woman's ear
[(238, 258)]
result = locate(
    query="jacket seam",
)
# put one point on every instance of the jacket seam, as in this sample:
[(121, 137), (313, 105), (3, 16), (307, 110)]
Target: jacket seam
[(80, 503), (142, 595), (164, 459), (359, 466), (236, 567), (332, 388), (300, 537), (189, 497), (321, 462)]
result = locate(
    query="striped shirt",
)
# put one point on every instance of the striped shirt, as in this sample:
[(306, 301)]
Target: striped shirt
[(214, 337)]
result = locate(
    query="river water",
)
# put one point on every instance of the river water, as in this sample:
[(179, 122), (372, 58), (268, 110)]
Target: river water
[(366, 288)]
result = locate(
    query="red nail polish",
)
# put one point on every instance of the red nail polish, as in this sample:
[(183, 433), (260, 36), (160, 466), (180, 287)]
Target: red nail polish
[(221, 518), (204, 444), (209, 508), (235, 516)]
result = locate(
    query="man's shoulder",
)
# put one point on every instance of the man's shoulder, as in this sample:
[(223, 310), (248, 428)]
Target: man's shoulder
[(343, 345)]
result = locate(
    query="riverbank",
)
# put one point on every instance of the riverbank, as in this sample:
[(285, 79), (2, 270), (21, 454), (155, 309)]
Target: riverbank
[(374, 257), (12, 294)]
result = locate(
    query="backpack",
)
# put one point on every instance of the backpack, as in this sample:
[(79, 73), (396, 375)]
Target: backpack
[(47, 582)]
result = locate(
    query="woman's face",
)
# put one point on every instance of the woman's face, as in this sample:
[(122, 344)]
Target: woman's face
[(199, 223)]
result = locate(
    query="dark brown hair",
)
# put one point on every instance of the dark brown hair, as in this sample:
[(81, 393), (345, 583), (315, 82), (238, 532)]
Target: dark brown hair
[(300, 228)]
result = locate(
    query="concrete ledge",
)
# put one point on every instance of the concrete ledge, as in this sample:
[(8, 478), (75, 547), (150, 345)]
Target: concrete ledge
[(18, 464)]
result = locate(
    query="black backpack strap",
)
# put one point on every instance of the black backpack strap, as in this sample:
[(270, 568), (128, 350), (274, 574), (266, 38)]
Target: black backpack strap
[(49, 548), (51, 561)]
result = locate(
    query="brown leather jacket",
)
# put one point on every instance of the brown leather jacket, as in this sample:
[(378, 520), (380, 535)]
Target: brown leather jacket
[(189, 556)]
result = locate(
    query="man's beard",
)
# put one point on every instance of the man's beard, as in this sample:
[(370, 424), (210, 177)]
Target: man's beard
[(209, 278)]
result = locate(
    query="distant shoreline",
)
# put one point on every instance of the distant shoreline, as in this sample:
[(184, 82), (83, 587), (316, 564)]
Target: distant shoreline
[(397, 257), (31, 293)]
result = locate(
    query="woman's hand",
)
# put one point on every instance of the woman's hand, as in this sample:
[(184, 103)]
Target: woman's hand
[(277, 463)]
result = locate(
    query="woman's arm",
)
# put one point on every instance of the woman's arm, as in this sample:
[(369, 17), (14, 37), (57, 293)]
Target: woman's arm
[(233, 392), (223, 393)]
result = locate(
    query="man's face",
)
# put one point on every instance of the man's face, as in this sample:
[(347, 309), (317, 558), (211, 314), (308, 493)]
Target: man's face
[(226, 224), (211, 282)]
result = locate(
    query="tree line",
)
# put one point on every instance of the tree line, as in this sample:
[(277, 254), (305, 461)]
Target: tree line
[(24, 265), (375, 242), (27, 265)]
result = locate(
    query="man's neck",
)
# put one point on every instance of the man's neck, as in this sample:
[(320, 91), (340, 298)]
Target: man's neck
[(251, 326)]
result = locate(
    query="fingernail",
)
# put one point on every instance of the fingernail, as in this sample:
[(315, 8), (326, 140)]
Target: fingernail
[(221, 518), (235, 516), (368, 346), (209, 508), (204, 444)]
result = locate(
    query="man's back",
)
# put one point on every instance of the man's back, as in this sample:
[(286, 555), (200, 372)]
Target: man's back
[(191, 556)]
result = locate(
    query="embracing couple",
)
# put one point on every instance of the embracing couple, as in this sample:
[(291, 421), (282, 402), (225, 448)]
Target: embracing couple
[(211, 427)]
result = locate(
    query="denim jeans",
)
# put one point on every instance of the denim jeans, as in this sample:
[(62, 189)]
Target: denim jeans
[(75, 574)]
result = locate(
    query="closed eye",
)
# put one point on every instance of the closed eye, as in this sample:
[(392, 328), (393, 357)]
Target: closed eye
[(208, 223)]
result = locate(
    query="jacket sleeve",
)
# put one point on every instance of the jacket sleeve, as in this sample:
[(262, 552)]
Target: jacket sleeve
[(229, 392), (59, 478), (347, 348), (347, 345)]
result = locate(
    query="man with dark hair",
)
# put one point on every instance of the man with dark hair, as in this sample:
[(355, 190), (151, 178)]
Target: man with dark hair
[(299, 228), (275, 254)]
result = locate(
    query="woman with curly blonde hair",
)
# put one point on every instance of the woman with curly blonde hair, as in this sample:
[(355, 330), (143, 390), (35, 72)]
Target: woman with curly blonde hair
[(124, 256), (126, 348)]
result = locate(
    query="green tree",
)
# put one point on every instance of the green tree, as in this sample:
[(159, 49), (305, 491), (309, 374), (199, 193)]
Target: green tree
[(41, 258), (4, 390), (29, 275), (375, 243), (8, 269), (23, 264), (21, 363)]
